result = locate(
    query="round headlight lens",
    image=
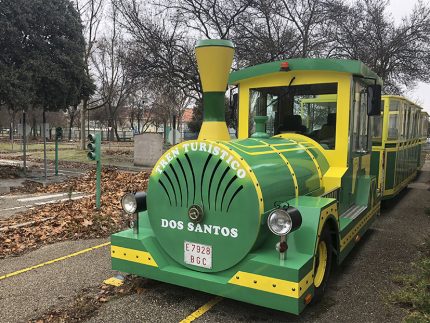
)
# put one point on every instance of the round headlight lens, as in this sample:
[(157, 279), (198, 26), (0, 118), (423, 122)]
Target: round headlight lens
[(279, 222), (128, 203)]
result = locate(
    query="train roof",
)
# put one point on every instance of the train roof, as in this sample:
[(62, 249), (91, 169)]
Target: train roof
[(398, 97), (306, 64)]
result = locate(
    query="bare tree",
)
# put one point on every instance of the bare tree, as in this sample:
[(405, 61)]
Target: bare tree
[(210, 18), (262, 35), (142, 108), (115, 83), (91, 12), (308, 17), (400, 54), (161, 51)]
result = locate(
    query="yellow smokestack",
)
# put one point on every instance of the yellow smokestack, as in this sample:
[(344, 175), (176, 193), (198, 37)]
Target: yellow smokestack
[(214, 58)]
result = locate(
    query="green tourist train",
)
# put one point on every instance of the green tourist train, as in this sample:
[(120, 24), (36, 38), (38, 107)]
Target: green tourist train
[(264, 217)]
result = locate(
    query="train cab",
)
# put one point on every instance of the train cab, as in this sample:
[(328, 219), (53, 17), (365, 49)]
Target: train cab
[(322, 102)]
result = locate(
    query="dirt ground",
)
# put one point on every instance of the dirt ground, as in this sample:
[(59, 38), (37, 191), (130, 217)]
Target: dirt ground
[(358, 290)]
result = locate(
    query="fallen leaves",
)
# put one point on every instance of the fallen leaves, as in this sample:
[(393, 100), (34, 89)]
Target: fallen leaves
[(73, 219), (85, 305), (10, 172)]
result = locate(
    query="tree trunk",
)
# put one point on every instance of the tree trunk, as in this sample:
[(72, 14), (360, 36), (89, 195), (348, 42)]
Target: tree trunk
[(12, 138), (72, 120), (24, 142), (83, 111), (44, 142), (115, 128)]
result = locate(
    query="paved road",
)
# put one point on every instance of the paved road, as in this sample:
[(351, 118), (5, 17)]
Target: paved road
[(11, 204), (31, 294), (357, 291)]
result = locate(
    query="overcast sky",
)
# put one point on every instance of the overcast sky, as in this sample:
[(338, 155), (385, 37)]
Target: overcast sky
[(421, 94)]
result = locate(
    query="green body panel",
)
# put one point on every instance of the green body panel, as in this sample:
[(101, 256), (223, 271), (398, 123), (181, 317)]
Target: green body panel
[(421, 155), (274, 176), (262, 261), (218, 178), (390, 170), (374, 165), (364, 191), (214, 106), (307, 64), (400, 167)]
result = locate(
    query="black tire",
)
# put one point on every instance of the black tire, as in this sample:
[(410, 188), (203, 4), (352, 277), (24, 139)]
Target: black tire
[(322, 283)]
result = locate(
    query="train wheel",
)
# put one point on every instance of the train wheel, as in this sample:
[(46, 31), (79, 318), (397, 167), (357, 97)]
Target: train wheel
[(323, 260)]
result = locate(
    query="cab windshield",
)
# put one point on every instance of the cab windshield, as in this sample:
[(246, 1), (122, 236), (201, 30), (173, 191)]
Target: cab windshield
[(309, 110)]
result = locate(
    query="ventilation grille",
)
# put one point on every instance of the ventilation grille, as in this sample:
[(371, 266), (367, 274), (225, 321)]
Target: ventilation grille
[(222, 190)]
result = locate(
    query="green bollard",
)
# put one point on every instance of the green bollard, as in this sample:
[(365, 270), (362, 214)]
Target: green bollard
[(56, 156), (58, 136), (94, 153)]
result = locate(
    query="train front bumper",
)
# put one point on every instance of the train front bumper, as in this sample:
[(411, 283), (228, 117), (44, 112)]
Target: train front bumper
[(261, 278)]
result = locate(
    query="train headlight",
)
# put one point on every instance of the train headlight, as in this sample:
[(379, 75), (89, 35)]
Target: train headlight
[(283, 221), (129, 203), (134, 202)]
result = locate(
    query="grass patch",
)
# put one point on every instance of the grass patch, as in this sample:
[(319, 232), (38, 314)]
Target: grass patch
[(414, 292), (74, 155), (6, 147)]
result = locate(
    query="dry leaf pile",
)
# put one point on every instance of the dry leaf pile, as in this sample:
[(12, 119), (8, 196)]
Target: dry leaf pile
[(125, 153), (85, 305), (73, 219), (10, 172)]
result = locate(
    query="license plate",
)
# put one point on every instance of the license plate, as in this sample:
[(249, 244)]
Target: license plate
[(198, 254)]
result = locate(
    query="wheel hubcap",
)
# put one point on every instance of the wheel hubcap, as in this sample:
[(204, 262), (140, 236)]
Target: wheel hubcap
[(320, 263)]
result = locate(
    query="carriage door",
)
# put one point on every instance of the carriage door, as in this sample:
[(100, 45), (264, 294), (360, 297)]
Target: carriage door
[(360, 146)]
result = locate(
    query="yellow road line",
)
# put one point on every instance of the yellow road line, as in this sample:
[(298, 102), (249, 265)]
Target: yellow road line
[(18, 272), (202, 310)]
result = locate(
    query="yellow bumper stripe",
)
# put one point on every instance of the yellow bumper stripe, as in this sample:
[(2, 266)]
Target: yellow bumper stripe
[(140, 257), (273, 285)]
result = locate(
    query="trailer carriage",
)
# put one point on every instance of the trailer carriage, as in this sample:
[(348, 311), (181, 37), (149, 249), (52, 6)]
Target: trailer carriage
[(261, 218), (398, 136)]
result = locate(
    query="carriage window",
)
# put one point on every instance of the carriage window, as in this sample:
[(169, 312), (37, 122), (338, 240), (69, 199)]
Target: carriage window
[(394, 105), (376, 124), (305, 109), (425, 126), (393, 126), (415, 124), (360, 139)]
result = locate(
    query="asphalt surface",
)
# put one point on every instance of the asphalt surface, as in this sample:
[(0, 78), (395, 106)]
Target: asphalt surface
[(32, 293), (357, 291)]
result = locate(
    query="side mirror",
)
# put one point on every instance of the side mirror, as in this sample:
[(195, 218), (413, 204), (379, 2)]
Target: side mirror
[(374, 100)]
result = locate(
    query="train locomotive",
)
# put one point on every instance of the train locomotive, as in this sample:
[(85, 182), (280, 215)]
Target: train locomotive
[(261, 218)]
